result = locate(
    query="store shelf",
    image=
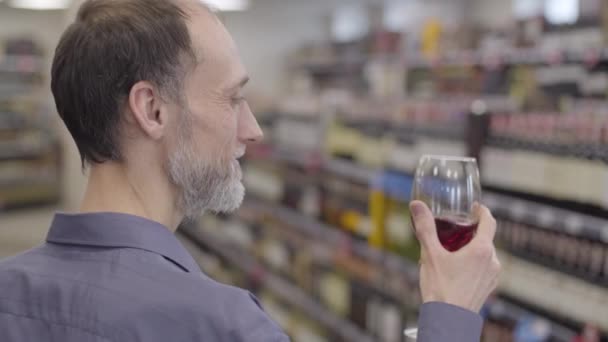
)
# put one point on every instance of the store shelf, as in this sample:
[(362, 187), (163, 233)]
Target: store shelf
[(27, 148), (21, 64), (512, 56), (14, 89), (355, 172), (30, 163), (583, 151), (26, 195), (508, 206), (279, 286), (343, 65), (502, 205), (501, 308), (351, 170), (512, 208), (553, 291), (335, 237), (25, 78), (508, 56), (304, 159), (447, 131), (28, 180), (9, 155), (496, 307), (547, 217), (11, 122)]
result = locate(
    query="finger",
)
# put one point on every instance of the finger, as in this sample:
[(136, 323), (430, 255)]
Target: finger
[(495, 270), (486, 230), (496, 264), (424, 226)]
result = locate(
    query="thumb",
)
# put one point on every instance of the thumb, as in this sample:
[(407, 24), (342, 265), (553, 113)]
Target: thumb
[(424, 225)]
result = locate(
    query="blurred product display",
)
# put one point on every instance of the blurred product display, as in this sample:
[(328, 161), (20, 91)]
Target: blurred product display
[(328, 191), (29, 148), (324, 238)]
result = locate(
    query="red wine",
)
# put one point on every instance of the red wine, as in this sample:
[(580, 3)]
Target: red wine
[(455, 231)]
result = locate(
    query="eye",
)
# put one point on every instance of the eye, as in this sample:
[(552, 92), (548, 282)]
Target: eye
[(237, 100)]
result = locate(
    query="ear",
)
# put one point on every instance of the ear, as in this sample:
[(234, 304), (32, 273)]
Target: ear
[(148, 110)]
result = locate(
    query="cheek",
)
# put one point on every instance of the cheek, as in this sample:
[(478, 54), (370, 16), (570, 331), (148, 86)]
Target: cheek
[(226, 131), (215, 136)]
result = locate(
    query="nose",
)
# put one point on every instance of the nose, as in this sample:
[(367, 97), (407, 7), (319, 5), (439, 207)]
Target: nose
[(249, 131)]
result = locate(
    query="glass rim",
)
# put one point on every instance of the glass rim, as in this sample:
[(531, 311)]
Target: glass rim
[(448, 158)]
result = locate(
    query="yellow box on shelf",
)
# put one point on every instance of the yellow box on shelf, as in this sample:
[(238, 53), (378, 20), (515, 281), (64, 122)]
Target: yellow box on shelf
[(389, 210), (342, 140)]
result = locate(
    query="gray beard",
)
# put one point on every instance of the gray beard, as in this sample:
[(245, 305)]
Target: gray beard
[(203, 185)]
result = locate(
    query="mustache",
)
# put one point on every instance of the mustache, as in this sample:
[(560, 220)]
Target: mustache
[(240, 152)]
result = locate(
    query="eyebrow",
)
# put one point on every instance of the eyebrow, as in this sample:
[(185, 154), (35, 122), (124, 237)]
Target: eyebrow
[(244, 80)]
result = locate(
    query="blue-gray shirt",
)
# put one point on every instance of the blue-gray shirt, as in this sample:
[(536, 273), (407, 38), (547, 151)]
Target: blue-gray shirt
[(116, 277)]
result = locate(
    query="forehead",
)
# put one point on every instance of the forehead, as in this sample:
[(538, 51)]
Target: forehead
[(216, 53)]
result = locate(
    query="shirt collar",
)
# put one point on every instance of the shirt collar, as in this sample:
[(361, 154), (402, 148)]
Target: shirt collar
[(119, 230)]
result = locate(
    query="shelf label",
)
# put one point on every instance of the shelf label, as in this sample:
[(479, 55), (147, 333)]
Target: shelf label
[(497, 309), (517, 210), (546, 218), (573, 224), (592, 57), (604, 234), (492, 62), (555, 58)]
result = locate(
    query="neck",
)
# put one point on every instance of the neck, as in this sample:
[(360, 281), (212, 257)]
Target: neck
[(112, 187)]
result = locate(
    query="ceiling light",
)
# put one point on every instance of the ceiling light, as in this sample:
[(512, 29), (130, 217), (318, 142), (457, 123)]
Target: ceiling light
[(40, 4), (228, 5), (349, 23), (562, 12), (526, 9)]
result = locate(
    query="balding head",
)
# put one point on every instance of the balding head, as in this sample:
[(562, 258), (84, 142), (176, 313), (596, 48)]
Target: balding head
[(155, 87), (111, 45)]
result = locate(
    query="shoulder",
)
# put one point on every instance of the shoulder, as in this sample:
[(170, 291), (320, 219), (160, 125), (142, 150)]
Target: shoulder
[(198, 308), (14, 260), (21, 262), (237, 310)]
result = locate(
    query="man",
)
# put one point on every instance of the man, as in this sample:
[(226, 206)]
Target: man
[(151, 91)]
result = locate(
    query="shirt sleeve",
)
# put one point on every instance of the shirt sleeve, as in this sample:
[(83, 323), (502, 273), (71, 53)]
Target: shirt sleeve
[(439, 322)]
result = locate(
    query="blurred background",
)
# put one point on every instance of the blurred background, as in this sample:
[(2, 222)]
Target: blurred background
[(350, 94)]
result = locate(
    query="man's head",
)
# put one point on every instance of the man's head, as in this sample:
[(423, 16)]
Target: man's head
[(157, 84)]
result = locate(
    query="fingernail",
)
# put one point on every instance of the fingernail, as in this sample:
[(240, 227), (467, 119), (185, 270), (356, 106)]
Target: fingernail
[(417, 209)]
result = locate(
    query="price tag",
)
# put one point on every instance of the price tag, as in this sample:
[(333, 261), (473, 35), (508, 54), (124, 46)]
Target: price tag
[(517, 210), (498, 309), (592, 57), (434, 62), (555, 58), (257, 274), (321, 252), (492, 62), (469, 58), (346, 245), (604, 234), (574, 224), (313, 162), (546, 218)]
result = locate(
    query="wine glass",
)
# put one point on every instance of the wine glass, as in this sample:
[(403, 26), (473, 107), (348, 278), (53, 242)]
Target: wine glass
[(450, 187)]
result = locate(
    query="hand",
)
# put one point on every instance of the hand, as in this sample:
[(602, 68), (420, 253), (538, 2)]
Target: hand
[(464, 278)]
